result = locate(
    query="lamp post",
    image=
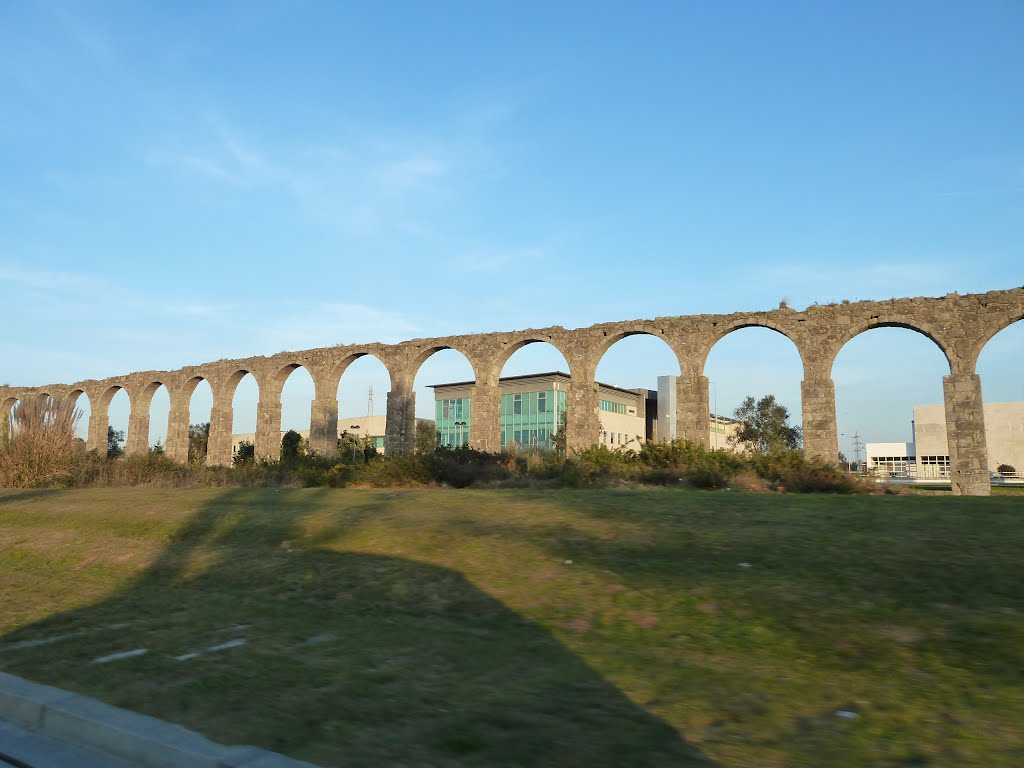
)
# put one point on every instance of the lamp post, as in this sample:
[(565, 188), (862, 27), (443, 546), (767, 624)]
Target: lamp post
[(459, 431), (353, 426), (714, 426)]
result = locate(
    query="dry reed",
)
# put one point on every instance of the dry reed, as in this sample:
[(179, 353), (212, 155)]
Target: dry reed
[(38, 444)]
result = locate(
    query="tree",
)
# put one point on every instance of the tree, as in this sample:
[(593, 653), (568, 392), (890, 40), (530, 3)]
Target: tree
[(198, 442), (764, 426), (291, 446), (426, 436), (115, 439), (1005, 469), (558, 440), (245, 453), (352, 448)]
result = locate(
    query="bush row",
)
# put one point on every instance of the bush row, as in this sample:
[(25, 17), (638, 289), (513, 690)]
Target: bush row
[(675, 463)]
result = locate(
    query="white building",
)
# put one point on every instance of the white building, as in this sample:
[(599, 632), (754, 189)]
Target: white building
[(927, 455)]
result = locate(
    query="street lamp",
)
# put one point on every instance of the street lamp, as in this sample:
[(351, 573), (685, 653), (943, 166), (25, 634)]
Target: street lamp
[(714, 386), (461, 424), (353, 426)]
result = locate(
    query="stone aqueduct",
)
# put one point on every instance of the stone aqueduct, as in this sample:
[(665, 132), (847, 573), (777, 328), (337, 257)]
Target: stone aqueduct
[(959, 325)]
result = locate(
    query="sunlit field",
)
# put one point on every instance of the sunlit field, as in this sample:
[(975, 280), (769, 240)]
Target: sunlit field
[(542, 628)]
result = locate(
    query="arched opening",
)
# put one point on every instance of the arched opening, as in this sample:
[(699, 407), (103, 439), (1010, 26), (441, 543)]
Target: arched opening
[(244, 401), (1002, 384), (297, 394), (440, 419), (80, 401), (6, 409), (534, 385), (119, 409), (889, 403), (636, 389), (751, 362), (159, 415), (200, 412), (363, 400), (200, 403)]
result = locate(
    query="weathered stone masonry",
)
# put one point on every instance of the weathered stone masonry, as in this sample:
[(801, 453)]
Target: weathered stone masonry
[(959, 325)]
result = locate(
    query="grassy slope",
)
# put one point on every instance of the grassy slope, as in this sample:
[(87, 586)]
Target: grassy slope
[(448, 627)]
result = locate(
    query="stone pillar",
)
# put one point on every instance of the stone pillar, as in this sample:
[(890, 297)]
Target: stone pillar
[(99, 420), (400, 431), (323, 425), (268, 429), (818, 406), (965, 434), (693, 420), (222, 416), (485, 416), (137, 442), (177, 430), (583, 425)]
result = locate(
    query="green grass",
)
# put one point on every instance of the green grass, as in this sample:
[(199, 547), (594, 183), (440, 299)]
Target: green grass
[(561, 628)]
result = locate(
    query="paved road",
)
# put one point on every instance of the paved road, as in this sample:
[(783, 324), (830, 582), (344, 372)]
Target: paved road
[(38, 751)]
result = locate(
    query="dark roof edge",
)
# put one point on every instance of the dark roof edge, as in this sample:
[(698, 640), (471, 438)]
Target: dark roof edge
[(547, 374)]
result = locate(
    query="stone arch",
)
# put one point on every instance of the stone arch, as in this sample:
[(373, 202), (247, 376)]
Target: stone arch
[(429, 352), (141, 423), (347, 400), (293, 380), (719, 332), (6, 405), (450, 430), (990, 332), (575, 404), (181, 390), (614, 336), (779, 375), (620, 428), (504, 353), (277, 373), (339, 368), (99, 421), (882, 321), (229, 387), (999, 367), (74, 397), (880, 375)]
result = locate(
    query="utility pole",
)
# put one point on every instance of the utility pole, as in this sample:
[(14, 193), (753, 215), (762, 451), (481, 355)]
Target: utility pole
[(858, 446)]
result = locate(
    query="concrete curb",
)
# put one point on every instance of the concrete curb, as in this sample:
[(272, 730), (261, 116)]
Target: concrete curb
[(138, 739)]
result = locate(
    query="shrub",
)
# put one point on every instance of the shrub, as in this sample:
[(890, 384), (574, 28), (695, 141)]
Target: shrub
[(1005, 469), (38, 446), (792, 471)]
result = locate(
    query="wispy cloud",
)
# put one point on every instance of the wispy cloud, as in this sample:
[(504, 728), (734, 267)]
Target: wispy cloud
[(371, 182), (46, 280), (493, 261), (326, 324), (199, 310), (83, 32)]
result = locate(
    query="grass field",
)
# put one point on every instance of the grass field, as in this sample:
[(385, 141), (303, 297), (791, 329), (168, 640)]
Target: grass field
[(561, 628)]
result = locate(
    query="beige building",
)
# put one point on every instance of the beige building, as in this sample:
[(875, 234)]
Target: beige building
[(928, 455), (533, 410), (1004, 435), (360, 426)]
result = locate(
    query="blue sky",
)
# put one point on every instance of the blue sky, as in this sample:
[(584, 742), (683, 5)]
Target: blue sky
[(189, 181)]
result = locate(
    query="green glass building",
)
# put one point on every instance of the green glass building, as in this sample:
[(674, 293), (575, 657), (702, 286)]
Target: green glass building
[(533, 410)]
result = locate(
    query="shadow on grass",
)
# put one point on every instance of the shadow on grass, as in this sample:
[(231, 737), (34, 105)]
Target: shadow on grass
[(831, 573), (347, 658)]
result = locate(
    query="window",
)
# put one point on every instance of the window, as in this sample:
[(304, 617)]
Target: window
[(542, 402), (517, 404)]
